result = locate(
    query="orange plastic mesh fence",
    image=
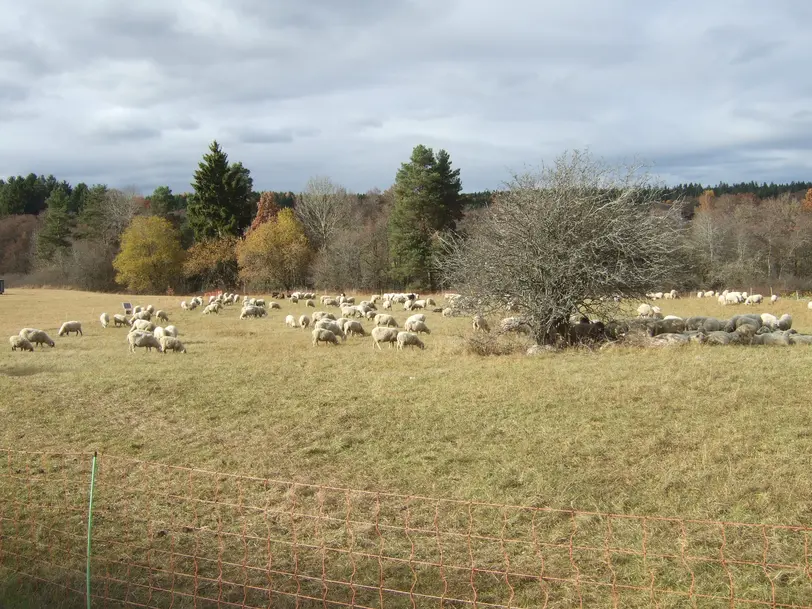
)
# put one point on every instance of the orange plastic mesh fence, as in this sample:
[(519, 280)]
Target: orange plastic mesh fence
[(167, 536)]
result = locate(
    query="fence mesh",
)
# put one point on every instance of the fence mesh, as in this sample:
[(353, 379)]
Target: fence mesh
[(167, 536)]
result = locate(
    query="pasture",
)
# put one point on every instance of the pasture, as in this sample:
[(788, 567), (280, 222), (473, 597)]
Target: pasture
[(693, 432)]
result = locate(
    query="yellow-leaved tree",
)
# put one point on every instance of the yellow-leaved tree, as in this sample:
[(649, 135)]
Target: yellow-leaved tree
[(151, 255), (213, 262), (275, 254)]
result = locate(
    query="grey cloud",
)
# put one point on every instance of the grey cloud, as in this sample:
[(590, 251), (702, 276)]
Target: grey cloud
[(348, 88), (123, 133), (260, 136)]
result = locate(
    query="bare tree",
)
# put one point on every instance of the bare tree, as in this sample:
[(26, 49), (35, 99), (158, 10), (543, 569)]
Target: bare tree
[(569, 239), (322, 208)]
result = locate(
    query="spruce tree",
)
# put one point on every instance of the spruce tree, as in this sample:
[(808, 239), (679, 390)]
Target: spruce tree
[(56, 228), (427, 202), (221, 202)]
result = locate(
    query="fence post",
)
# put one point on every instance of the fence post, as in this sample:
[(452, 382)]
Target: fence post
[(90, 525)]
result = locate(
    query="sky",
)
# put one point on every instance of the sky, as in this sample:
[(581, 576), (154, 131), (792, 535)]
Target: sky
[(130, 94)]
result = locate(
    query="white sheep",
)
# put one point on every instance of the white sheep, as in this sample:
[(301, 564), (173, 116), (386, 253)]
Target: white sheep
[(170, 343), (645, 310), (387, 304), (304, 321), (382, 334), (143, 325), (212, 307), (753, 299), (143, 339), (159, 333), (38, 337), (104, 318), (319, 315), (70, 326), (162, 315), (407, 339), (480, 323), (353, 328), (275, 305), (332, 326), (18, 342), (290, 321), (120, 320), (769, 320), (310, 303), (417, 327), (171, 331), (700, 294), (320, 335), (252, 311), (449, 312), (150, 309), (143, 315), (773, 298), (416, 317), (382, 319)]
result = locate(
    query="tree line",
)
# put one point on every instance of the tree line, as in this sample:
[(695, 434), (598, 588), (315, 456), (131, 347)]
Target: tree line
[(225, 234)]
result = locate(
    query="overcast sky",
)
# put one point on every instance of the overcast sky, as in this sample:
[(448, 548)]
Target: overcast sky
[(132, 92)]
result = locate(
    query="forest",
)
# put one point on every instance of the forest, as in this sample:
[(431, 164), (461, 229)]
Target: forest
[(225, 234)]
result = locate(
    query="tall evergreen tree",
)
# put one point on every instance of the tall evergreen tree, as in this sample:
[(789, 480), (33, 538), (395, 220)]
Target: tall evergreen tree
[(427, 202), (56, 228), (221, 203), (162, 201)]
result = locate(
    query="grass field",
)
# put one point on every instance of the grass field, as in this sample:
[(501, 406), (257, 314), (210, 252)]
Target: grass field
[(696, 432)]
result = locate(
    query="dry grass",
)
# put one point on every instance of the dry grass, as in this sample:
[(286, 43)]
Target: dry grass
[(695, 432)]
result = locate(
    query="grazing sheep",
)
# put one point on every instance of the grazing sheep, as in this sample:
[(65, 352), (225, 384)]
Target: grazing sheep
[(150, 309), (310, 303), (417, 327), (753, 299), (479, 323), (319, 315), (171, 331), (332, 326), (275, 305), (143, 325), (320, 335), (170, 343), (120, 320), (70, 326), (387, 304), (409, 339), (104, 318), (773, 298), (143, 315), (382, 334), (18, 342), (304, 321), (38, 337), (644, 310), (290, 321), (294, 299), (143, 339), (448, 312), (514, 324), (159, 333), (162, 315), (416, 317), (352, 327), (252, 311), (212, 307), (382, 319)]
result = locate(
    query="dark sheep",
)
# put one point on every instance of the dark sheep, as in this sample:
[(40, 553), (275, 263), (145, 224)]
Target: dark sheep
[(695, 323), (666, 326), (712, 324)]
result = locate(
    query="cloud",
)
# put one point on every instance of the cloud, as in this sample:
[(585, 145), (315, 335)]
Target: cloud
[(133, 93)]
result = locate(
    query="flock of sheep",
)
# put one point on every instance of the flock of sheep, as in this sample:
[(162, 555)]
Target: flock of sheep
[(328, 329), (334, 328), (143, 332)]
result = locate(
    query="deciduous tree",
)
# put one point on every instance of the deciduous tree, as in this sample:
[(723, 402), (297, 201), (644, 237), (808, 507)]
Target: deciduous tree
[(567, 240), (151, 256), (213, 263), (276, 254), (322, 209)]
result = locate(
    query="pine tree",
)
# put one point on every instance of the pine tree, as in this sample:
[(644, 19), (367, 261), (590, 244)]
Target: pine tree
[(427, 202), (56, 228), (161, 201), (221, 203)]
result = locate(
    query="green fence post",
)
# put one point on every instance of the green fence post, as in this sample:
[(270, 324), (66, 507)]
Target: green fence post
[(90, 525)]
